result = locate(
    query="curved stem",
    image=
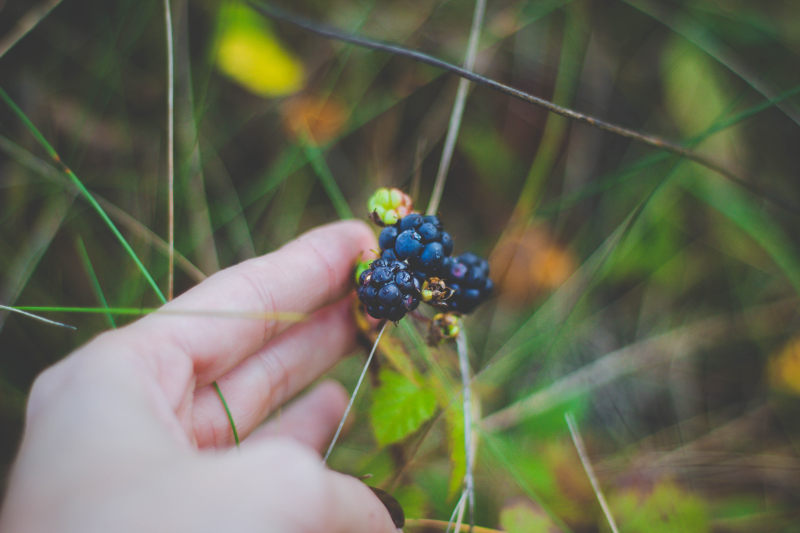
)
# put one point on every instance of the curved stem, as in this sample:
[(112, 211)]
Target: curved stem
[(170, 150)]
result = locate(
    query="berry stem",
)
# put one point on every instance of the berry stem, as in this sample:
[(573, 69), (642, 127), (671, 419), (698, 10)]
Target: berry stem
[(469, 449), (355, 392)]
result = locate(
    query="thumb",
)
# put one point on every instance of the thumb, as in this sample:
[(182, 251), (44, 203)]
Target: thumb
[(288, 482)]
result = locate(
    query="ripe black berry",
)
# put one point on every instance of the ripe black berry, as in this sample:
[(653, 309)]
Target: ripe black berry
[(388, 289), (419, 240), (408, 245), (468, 276)]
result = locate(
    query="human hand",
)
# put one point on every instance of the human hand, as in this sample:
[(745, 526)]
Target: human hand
[(128, 434)]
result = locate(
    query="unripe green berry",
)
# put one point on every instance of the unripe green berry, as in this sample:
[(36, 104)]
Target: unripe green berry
[(387, 206)]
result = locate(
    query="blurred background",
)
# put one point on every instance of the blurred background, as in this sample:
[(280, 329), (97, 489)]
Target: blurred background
[(650, 297)]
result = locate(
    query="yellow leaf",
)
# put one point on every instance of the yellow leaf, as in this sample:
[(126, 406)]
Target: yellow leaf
[(250, 54)]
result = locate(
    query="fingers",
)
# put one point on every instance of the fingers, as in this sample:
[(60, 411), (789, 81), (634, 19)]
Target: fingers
[(310, 420), (304, 275), (292, 487), (273, 374), (355, 509)]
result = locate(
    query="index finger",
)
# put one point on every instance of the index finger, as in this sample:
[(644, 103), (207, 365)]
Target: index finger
[(311, 271)]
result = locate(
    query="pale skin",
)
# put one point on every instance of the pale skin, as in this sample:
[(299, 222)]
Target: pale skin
[(127, 434)]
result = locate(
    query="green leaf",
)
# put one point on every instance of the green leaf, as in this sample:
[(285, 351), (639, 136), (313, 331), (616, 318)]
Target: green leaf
[(399, 407), (523, 517)]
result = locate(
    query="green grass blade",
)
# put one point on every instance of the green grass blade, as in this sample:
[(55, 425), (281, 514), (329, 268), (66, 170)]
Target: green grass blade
[(740, 209), (227, 412), (84, 191), (98, 290), (619, 177), (326, 178)]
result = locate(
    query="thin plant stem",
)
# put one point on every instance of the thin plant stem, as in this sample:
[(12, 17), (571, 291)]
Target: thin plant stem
[(652, 140), (458, 109), (427, 523), (28, 22), (19, 268), (170, 150), (36, 317), (284, 316), (227, 412), (587, 466), (355, 392), (458, 513), (469, 451)]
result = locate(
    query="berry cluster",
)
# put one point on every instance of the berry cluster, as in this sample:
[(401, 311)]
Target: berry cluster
[(415, 265), (468, 276), (388, 289)]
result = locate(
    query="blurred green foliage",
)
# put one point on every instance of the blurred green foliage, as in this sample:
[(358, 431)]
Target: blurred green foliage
[(650, 296)]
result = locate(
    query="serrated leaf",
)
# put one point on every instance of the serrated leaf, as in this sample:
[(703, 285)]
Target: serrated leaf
[(399, 407)]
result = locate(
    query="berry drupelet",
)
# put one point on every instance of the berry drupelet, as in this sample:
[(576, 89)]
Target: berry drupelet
[(388, 289), (467, 275)]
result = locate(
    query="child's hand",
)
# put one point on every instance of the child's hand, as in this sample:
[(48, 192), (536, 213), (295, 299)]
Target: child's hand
[(128, 433)]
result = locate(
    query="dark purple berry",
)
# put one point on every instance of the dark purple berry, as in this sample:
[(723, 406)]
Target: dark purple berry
[(468, 277), (389, 255), (475, 277), (395, 313), (381, 275), (431, 257), (410, 302), (408, 244), (447, 243), (432, 219), (389, 294), (457, 270), (406, 282), (411, 221), (387, 237), (428, 232), (370, 292)]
